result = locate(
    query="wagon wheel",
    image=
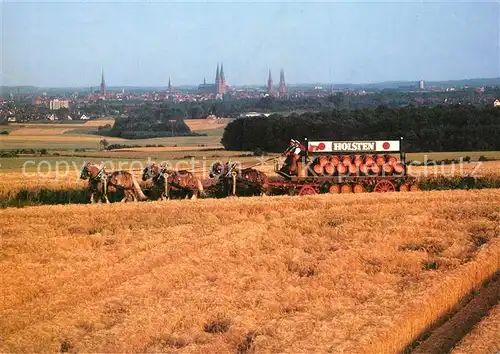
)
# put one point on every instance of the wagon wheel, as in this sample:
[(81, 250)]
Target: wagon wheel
[(307, 190), (384, 186)]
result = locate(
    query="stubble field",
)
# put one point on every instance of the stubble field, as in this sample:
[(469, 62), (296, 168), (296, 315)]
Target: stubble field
[(348, 273)]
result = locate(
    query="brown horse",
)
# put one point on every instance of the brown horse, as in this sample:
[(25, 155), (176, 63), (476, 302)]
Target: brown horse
[(102, 183), (247, 179), (97, 181), (125, 182), (164, 180)]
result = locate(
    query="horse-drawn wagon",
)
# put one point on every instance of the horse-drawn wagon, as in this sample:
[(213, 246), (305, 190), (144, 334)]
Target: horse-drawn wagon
[(327, 167)]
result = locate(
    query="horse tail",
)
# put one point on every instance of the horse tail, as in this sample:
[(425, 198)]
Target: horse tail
[(138, 189)]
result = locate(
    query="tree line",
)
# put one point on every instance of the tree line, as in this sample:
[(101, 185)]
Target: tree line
[(150, 121), (424, 129)]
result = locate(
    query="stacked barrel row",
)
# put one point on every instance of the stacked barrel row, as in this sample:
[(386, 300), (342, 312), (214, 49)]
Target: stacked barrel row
[(356, 165)]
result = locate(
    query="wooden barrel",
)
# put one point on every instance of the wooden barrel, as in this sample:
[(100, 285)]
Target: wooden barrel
[(398, 168), (334, 189), (392, 160), (358, 160), (414, 188), (334, 160), (346, 160), (346, 188), (358, 188), (318, 169), (369, 160), (323, 160), (329, 169), (387, 169), (375, 169), (380, 160), (364, 169), (353, 170), (342, 169)]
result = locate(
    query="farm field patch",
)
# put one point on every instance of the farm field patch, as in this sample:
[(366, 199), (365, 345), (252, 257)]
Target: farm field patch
[(267, 274)]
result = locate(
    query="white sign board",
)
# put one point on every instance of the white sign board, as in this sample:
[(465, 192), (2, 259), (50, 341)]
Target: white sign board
[(354, 146)]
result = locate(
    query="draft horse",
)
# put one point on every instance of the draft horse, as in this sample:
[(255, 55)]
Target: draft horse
[(249, 181), (164, 181)]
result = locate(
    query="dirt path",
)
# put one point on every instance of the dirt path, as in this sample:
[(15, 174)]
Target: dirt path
[(443, 338)]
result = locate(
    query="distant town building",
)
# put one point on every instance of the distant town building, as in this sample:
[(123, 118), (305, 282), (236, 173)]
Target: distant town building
[(282, 89), (270, 83), (56, 104), (253, 114), (103, 84), (220, 85), (421, 85)]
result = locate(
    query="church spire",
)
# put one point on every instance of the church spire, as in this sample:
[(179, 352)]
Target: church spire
[(169, 85), (222, 77), (103, 83), (282, 87), (217, 74), (270, 83)]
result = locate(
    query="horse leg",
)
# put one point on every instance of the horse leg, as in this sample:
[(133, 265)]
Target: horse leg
[(92, 201), (194, 196)]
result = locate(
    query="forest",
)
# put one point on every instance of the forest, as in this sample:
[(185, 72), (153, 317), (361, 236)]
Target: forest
[(150, 121), (424, 129)]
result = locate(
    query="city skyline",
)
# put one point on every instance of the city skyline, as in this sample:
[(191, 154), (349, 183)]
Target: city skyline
[(142, 45)]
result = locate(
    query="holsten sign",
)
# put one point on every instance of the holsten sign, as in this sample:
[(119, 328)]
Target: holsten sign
[(332, 146)]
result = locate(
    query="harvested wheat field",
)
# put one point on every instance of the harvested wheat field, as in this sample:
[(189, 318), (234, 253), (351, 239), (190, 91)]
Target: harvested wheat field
[(207, 124), (349, 273), (41, 131), (484, 337)]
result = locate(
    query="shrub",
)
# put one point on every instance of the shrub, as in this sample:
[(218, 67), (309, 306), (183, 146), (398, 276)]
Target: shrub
[(4, 132), (483, 158)]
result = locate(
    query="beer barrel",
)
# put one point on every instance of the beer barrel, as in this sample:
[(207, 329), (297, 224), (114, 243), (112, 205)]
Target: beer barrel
[(334, 160), (364, 169), (375, 169), (334, 189), (380, 160), (358, 160), (346, 160), (341, 169), (404, 187), (358, 188), (387, 169), (369, 160), (323, 160), (329, 169), (392, 160), (318, 169), (346, 188), (398, 168), (353, 170)]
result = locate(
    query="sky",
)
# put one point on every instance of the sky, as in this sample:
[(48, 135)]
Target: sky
[(68, 43)]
